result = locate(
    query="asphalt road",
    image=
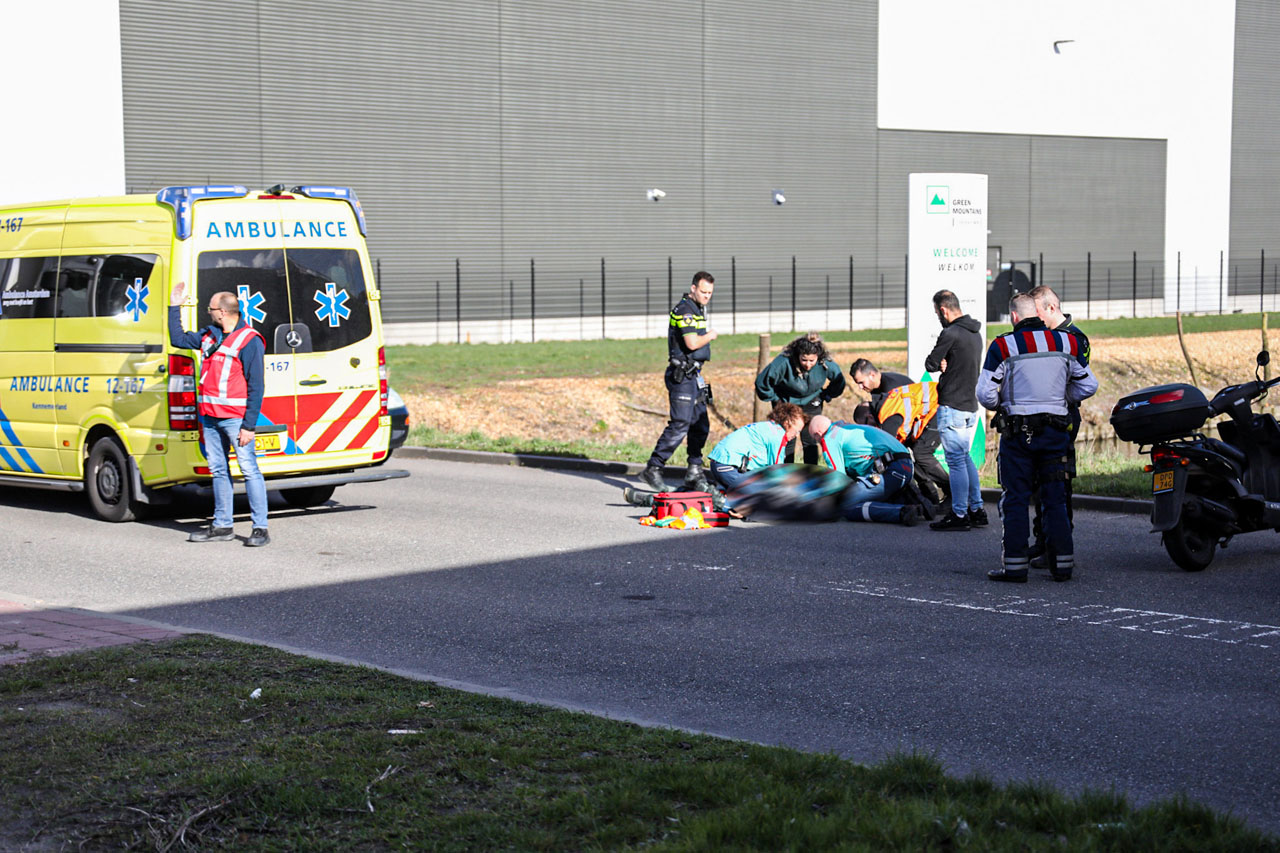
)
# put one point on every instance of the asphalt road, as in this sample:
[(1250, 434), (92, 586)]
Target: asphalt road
[(859, 639)]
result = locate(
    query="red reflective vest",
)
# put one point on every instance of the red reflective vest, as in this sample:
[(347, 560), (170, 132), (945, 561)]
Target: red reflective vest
[(918, 405), (223, 390)]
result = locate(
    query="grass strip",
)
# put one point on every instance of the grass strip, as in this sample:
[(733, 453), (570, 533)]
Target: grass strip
[(160, 746), (458, 366)]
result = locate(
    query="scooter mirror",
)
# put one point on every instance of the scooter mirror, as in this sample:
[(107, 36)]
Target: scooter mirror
[(1264, 358)]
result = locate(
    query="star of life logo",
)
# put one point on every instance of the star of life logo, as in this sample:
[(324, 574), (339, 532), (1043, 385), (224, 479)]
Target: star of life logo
[(333, 304), (251, 304), (137, 294)]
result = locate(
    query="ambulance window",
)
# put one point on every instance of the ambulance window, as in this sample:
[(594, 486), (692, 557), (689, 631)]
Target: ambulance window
[(120, 284), (75, 277), (256, 277), (328, 294), (29, 285)]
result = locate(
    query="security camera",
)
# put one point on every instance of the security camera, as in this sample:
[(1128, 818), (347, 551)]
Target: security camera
[(778, 197), (656, 194)]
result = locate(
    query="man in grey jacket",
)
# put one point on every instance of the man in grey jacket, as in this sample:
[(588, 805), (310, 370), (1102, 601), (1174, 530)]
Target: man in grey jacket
[(1029, 378)]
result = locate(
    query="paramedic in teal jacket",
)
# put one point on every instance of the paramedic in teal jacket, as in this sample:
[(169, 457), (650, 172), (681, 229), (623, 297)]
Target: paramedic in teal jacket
[(878, 464), (755, 446)]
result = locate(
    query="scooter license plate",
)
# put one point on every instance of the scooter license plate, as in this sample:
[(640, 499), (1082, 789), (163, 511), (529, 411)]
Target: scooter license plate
[(1162, 481), (269, 443)]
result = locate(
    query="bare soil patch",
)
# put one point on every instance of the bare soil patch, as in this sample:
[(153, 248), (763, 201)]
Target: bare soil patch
[(608, 408)]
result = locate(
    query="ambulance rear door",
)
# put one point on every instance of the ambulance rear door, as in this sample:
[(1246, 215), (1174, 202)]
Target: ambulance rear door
[(334, 337), (239, 249)]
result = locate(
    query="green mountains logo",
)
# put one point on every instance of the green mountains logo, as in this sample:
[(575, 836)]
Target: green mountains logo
[(939, 199)]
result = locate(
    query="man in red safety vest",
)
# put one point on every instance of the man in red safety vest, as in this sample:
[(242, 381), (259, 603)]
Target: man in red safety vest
[(229, 398)]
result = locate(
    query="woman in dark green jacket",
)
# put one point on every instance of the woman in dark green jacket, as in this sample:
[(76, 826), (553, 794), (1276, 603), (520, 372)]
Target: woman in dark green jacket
[(805, 374)]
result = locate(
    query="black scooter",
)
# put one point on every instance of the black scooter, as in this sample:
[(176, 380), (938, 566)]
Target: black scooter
[(1205, 490)]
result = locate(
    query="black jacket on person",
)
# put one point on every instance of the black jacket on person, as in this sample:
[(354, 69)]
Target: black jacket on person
[(961, 345)]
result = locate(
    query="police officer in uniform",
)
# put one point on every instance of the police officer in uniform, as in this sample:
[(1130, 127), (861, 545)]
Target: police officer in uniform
[(688, 347), (1030, 377), (1049, 309)]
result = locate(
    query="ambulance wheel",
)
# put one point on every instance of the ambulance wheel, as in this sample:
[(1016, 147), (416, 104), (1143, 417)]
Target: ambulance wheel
[(308, 497), (106, 479)]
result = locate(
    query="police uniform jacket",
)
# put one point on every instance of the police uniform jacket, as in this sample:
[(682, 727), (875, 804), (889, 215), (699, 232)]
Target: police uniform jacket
[(687, 318), (1034, 370)]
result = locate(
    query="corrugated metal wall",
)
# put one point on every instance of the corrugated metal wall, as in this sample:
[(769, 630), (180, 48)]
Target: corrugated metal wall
[(492, 132), (1060, 197), (1255, 149)]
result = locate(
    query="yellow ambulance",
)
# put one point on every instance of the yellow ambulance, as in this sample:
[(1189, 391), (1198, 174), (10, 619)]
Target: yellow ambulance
[(93, 397)]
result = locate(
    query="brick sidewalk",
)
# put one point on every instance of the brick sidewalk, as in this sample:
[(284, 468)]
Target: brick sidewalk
[(26, 632)]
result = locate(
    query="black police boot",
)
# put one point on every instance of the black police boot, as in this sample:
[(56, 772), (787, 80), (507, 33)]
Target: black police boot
[(1063, 567), (1014, 570), (637, 498), (1039, 556), (652, 477), (695, 479), (909, 515)]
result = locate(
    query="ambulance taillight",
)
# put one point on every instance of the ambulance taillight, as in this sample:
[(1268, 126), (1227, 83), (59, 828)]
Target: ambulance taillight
[(384, 377), (182, 392)]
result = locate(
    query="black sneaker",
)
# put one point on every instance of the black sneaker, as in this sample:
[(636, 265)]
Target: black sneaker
[(951, 522), (258, 538), (909, 515), (212, 534), (652, 477), (978, 517), (637, 498)]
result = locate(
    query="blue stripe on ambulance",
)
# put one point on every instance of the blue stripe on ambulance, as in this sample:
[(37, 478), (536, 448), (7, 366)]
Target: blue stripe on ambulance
[(17, 445), (290, 448)]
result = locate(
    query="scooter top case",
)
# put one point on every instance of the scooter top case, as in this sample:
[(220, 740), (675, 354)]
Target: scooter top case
[(1160, 413)]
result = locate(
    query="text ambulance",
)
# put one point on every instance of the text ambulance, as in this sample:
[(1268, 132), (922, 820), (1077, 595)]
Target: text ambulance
[(92, 396)]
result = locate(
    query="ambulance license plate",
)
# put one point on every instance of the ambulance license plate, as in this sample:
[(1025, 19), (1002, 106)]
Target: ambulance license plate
[(1162, 481), (269, 443)]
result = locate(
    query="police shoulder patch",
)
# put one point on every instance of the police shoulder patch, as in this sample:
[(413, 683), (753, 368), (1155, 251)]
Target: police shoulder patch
[(688, 319)]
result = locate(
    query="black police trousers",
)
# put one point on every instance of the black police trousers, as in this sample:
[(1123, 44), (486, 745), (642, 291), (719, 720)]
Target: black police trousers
[(688, 418)]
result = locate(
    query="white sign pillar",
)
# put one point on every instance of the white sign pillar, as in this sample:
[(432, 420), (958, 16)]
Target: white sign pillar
[(946, 250)]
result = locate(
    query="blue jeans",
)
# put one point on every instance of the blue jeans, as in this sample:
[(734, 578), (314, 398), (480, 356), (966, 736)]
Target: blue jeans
[(219, 437), (727, 477), (956, 428), (867, 501)]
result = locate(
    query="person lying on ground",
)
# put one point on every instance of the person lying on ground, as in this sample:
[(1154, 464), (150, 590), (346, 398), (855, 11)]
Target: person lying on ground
[(878, 464)]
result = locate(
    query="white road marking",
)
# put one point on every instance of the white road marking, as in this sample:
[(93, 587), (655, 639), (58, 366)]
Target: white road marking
[(1226, 631)]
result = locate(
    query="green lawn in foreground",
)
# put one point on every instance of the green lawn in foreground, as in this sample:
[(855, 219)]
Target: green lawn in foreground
[(159, 746)]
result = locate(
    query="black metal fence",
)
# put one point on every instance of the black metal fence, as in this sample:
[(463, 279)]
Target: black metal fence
[(849, 294)]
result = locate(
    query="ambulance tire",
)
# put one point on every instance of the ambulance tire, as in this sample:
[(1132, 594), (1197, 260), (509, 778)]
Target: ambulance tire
[(308, 497), (106, 480)]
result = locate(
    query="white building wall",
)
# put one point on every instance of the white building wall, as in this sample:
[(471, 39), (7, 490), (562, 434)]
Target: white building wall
[(63, 99), (1157, 69)]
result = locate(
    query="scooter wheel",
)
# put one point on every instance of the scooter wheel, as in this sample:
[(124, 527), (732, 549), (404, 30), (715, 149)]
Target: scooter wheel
[(1191, 548)]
